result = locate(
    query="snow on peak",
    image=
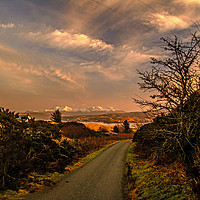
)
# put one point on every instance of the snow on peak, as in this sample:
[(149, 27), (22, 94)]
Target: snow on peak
[(88, 109), (67, 108)]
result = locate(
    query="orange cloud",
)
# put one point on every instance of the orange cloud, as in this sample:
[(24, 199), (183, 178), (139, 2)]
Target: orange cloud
[(12, 61), (65, 39), (168, 22), (9, 25), (189, 1)]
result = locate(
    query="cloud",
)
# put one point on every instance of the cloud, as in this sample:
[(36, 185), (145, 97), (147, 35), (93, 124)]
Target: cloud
[(6, 26), (189, 1), (52, 73), (65, 39), (67, 108), (121, 64), (113, 73), (12, 61), (166, 21), (83, 50), (175, 15)]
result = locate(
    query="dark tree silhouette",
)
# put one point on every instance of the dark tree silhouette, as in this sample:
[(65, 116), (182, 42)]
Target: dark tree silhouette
[(173, 79), (126, 126), (116, 129), (56, 116)]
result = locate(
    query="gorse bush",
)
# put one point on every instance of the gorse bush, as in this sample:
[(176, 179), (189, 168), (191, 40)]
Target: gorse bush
[(40, 147), (116, 129), (164, 139), (76, 130), (32, 146), (152, 141)]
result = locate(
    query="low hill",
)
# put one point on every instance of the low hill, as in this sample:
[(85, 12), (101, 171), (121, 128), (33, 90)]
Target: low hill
[(135, 117), (106, 117)]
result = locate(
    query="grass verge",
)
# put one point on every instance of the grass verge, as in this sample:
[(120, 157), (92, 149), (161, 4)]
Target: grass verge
[(88, 158), (40, 182), (145, 180)]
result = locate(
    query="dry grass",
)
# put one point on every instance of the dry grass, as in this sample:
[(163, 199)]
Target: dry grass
[(109, 128), (97, 127), (147, 180)]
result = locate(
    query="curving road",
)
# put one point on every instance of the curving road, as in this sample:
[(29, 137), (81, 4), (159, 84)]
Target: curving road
[(100, 179)]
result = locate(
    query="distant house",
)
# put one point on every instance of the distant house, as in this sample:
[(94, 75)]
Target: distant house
[(25, 117), (111, 134), (114, 134)]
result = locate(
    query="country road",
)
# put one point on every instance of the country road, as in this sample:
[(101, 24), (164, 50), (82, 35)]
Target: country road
[(100, 179)]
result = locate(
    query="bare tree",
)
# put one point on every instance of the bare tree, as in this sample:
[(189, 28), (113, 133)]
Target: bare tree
[(175, 78), (175, 83)]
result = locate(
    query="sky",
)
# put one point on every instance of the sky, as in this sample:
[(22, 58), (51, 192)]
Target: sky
[(82, 53)]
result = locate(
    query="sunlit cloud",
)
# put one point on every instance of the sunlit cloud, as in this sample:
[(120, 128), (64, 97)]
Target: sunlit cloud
[(189, 1), (20, 64), (168, 22), (121, 65), (67, 108), (52, 73), (64, 39), (5, 26), (83, 51)]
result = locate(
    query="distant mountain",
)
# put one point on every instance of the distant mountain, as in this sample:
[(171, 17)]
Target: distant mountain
[(92, 114), (66, 110), (114, 117)]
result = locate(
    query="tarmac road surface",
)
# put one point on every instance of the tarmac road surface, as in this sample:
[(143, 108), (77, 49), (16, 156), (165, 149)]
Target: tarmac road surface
[(100, 179)]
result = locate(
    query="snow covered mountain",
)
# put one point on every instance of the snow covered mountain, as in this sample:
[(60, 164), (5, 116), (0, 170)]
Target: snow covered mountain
[(88, 110)]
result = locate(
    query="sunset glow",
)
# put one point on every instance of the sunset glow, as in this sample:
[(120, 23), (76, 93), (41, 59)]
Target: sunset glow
[(79, 54)]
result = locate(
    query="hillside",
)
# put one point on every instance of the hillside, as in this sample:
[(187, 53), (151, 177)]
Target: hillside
[(135, 117), (106, 117)]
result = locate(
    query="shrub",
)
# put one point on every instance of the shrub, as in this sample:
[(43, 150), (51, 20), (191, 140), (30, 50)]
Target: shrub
[(76, 130), (116, 129)]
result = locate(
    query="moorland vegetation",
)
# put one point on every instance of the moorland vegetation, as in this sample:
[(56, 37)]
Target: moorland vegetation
[(31, 151), (174, 85)]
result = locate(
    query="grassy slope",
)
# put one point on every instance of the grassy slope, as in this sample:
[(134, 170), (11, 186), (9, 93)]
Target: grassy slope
[(149, 181), (39, 182)]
